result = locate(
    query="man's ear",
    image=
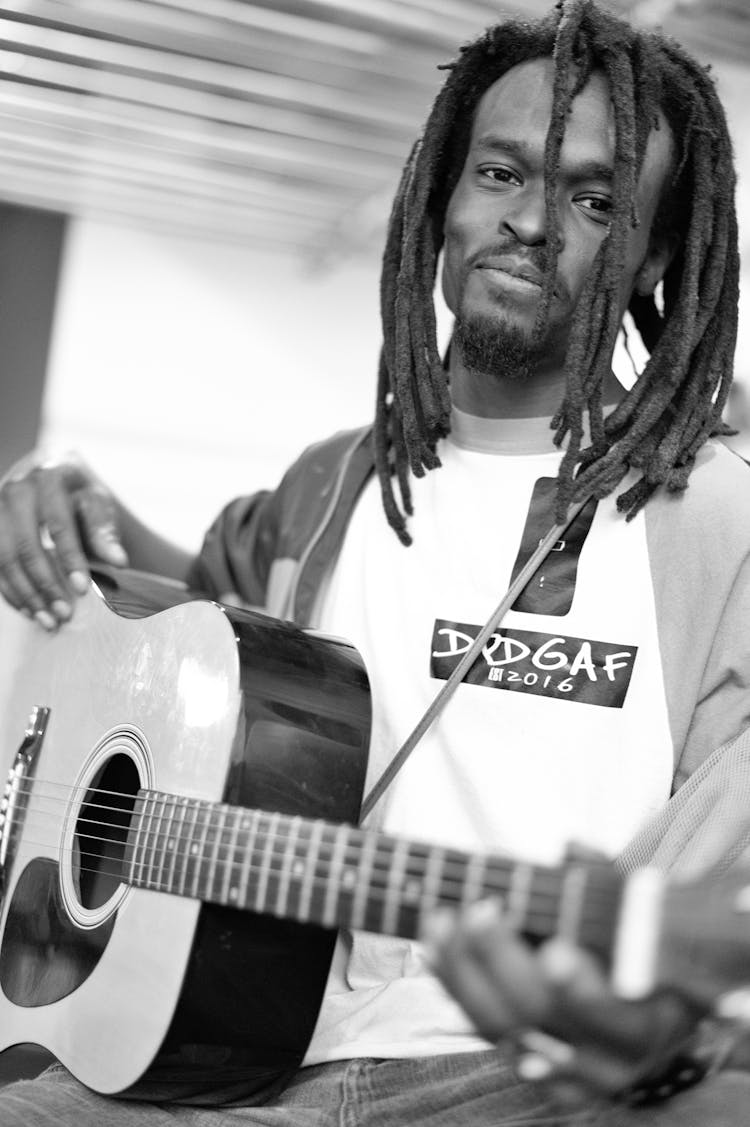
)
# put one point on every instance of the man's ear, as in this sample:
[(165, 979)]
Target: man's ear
[(661, 251)]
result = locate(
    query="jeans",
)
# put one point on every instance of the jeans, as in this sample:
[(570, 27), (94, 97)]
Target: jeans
[(461, 1090)]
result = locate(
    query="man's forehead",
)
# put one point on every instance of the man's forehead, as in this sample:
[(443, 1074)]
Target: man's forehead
[(516, 111), (519, 104)]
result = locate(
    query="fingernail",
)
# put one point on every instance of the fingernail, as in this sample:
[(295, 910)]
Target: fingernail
[(540, 1044), (735, 1006), (79, 581), (484, 913), (61, 609), (116, 554), (533, 1067), (45, 619), (437, 926), (561, 961)]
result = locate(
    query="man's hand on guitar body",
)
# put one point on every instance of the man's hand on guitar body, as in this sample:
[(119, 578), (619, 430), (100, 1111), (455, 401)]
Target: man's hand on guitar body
[(54, 518), (590, 1037)]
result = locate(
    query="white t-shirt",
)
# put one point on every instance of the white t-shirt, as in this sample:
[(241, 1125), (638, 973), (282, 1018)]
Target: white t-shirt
[(560, 733)]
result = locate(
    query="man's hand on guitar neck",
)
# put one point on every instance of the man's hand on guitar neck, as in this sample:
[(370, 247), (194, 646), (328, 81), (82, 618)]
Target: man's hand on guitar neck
[(508, 989), (54, 518)]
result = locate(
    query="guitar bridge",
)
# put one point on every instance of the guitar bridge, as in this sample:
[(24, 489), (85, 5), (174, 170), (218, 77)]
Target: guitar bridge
[(15, 797)]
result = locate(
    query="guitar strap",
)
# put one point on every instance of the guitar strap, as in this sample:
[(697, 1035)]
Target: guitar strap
[(446, 692)]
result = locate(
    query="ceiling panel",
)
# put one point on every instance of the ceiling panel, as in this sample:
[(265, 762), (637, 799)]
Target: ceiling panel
[(280, 124)]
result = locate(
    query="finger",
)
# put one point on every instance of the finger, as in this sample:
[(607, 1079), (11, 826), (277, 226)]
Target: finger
[(56, 513), (18, 592), (96, 511), (10, 596), (583, 1073), (585, 1009), (483, 944), (466, 979), (26, 566), (587, 1013), (573, 1073), (506, 961), (543, 1056)]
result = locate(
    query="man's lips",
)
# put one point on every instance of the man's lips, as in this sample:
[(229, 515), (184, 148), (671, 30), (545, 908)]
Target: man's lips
[(516, 268)]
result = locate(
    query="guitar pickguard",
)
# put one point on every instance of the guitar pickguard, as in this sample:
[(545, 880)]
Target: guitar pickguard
[(44, 956)]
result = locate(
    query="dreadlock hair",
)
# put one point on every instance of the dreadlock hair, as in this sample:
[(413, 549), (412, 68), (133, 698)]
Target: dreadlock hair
[(677, 401)]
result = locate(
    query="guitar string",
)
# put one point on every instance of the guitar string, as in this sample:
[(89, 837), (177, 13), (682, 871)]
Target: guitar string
[(594, 926), (385, 841), (277, 858), (597, 934), (453, 870), (168, 804), (384, 844), (593, 929), (538, 919)]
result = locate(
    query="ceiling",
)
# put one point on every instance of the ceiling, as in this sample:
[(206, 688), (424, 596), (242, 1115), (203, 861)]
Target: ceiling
[(273, 123)]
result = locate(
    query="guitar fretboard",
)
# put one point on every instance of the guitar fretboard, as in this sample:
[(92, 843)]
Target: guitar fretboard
[(342, 876)]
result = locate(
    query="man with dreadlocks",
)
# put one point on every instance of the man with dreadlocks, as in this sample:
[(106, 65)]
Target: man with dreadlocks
[(571, 169)]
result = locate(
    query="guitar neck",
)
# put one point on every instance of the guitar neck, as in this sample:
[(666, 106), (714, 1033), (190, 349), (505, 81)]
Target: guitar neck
[(341, 876)]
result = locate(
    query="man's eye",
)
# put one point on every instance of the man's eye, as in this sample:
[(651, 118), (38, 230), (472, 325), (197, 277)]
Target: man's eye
[(599, 206), (500, 175)]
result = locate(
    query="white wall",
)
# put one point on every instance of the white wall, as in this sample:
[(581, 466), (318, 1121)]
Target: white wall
[(187, 372)]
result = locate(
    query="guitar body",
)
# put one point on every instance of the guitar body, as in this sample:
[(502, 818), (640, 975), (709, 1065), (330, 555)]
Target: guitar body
[(136, 991)]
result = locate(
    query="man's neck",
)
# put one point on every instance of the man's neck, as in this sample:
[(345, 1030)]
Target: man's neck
[(538, 395)]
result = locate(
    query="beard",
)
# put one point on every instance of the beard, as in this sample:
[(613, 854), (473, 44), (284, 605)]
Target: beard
[(497, 348)]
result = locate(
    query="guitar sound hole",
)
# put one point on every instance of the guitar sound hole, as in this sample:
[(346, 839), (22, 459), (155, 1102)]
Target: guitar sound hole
[(102, 830)]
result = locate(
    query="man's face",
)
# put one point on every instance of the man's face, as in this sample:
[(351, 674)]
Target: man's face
[(495, 226)]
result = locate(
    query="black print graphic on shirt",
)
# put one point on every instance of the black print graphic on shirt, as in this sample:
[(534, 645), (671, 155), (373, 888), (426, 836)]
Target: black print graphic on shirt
[(551, 588), (547, 665)]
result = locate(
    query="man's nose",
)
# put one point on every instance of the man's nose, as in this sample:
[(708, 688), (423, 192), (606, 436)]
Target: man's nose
[(526, 218)]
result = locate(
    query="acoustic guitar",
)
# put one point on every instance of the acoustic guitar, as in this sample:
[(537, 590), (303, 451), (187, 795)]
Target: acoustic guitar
[(178, 846)]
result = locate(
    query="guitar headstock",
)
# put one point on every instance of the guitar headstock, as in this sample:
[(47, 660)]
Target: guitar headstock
[(704, 946)]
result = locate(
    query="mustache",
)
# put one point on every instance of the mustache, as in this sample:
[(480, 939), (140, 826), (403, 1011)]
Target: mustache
[(536, 257)]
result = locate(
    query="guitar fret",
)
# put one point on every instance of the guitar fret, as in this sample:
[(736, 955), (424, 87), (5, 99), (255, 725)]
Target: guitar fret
[(298, 861), (189, 847), (179, 808), (519, 895), (141, 840), (153, 842), (362, 887), (572, 894), (308, 880), (145, 863), (320, 886), (217, 820), (164, 849), (290, 848), (394, 886), (332, 886), (248, 826), (432, 878), (265, 868), (474, 879), (229, 889), (135, 833), (197, 849)]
